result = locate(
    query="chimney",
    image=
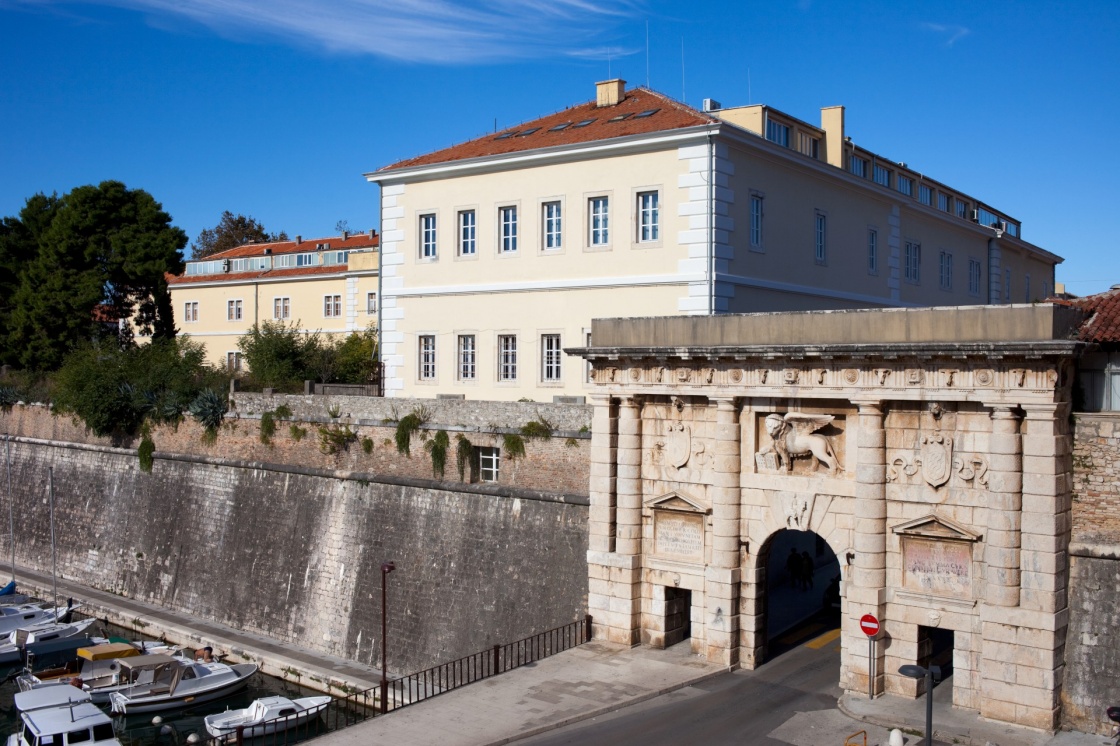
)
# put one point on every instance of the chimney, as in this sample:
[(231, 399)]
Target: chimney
[(345, 235), (299, 240), (609, 92), (832, 122)]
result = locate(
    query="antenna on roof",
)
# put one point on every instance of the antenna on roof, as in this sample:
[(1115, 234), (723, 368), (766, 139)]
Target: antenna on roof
[(608, 63), (647, 54), (749, 99), (683, 99)]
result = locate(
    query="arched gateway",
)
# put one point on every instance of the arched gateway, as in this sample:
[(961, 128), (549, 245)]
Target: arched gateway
[(929, 448)]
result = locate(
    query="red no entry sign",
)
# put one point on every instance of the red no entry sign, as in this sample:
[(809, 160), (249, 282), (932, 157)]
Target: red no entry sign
[(869, 625)]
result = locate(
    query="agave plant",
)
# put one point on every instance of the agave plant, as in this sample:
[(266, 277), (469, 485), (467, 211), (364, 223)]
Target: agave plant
[(8, 397), (209, 407)]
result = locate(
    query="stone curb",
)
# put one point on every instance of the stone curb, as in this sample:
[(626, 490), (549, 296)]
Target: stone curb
[(607, 709), (906, 724)]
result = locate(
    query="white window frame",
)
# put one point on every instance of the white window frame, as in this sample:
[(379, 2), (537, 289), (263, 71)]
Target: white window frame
[(371, 302), (426, 357), (820, 237), (649, 216), (878, 170), (489, 463), (234, 309), (507, 358), (872, 251), (428, 247), (552, 353), (332, 306), (281, 308), (466, 356), (945, 268), (777, 133), (552, 225), (468, 233), (756, 217), (853, 160), (507, 223), (233, 361), (190, 312), (598, 221), (912, 262)]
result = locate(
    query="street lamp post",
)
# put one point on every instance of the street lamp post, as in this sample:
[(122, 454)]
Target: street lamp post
[(929, 674), (386, 567)]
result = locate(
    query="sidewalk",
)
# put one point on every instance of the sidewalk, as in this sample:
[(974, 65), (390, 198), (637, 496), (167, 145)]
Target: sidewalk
[(581, 683), (950, 724)]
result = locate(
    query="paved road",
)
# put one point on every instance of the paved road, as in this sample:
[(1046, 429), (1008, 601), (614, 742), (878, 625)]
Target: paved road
[(769, 706)]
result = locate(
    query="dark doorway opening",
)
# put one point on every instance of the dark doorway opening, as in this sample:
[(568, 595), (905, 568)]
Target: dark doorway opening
[(678, 615), (802, 591), (935, 648)]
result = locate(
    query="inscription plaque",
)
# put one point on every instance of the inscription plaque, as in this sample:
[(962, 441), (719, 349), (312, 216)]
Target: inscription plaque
[(679, 535), (942, 567)]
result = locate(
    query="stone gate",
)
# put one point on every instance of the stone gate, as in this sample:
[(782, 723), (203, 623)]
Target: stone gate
[(929, 448)]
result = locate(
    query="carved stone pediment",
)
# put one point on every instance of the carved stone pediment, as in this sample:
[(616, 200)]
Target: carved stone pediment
[(678, 501), (933, 526)]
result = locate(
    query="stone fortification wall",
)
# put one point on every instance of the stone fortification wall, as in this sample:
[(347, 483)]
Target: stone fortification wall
[(1092, 673), (559, 464), (295, 552)]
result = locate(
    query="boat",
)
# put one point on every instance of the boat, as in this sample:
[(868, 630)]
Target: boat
[(55, 696), (266, 716), (98, 671), (26, 615), (11, 651), (77, 723), (164, 682), (9, 589)]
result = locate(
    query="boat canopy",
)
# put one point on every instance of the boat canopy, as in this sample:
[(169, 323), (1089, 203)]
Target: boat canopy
[(108, 651), (50, 696)]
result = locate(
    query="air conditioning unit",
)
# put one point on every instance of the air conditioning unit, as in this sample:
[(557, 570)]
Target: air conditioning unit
[(1001, 226), (976, 216), (710, 104), (225, 265)]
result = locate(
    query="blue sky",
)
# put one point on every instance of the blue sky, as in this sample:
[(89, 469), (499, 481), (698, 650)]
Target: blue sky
[(276, 109)]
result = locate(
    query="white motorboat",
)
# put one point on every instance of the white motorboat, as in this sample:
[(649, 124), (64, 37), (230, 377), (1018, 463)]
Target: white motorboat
[(27, 615), (28, 638), (266, 716), (78, 723), (99, 673), (163, 682), (55, 696)]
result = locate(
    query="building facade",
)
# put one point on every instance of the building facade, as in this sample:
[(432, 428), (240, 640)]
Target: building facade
[(327, 285), (498, 252), (927, 451)]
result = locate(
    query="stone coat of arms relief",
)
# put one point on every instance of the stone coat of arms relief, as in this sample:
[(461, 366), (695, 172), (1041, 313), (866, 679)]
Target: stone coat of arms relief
[(677, 449), (934, 458)]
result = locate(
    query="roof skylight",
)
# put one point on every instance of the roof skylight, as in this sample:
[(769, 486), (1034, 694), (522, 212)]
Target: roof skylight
[(504, 135), (561, 126), (584, 123), (646, 113), (528, 132), (619, 118)]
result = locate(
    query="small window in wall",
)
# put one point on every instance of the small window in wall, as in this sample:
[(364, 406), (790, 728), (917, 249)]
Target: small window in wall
[(906, 185), (649, 218), (507, 216), (281, 308), (371, 303), (819, 238), (552, 219), (858, 166), (467, 357), (507, 357), (489, 462), (332, 306), (428, 236), (777, 132), (233, 362), (962, 209), (944, 202), (467, 233), (756, 221), (233, 310), (882, 175), (190, 311), (1098, 383), (973, 277), (550, 357), (912, 262), (427, 357), (925, 195), (946, 270), (599, 221), (809, 145), (872, 251)]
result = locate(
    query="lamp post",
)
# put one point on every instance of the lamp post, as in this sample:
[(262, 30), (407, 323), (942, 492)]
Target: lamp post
[(386, 568), (929, 674)]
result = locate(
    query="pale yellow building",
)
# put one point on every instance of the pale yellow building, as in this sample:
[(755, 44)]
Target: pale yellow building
[(326, 285), (498, 252)]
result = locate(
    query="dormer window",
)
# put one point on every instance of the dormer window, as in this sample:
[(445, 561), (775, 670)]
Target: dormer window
[(776, 132)]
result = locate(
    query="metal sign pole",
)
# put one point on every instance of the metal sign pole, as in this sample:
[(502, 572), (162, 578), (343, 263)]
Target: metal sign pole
[(871, 668)]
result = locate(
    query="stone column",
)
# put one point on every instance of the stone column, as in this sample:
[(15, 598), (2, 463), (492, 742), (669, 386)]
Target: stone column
[(604, 442), (867, 580), (1046, 504), (721, 577), (1005, 503)]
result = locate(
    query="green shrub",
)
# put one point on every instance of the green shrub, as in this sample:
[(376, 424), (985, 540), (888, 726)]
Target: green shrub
[(407, 425), (279, 354), (297, 432), (8, 398), (283, 412), (534, 429), (513, 446), (145, 451), (333, 438), (335, 411), (463, 452), (367, 445), (437, 449), (268, 428)]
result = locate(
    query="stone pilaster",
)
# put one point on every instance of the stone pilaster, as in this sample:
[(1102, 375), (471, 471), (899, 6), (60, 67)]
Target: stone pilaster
[(866, 586), (604, 442), (1005, 503), (628, 483), (1046, 505), (721, 579)]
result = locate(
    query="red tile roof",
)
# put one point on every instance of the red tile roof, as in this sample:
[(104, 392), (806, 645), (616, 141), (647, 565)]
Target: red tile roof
[(354, 241), (256, 275), (669, 115), (1103, 322)]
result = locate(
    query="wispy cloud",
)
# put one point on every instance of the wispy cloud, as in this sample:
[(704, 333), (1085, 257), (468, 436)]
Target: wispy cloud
[(951, 34), (430, 31)]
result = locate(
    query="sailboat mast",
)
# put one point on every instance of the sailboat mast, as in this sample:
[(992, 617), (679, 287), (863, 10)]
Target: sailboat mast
[(11, 504), (54, 551)]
